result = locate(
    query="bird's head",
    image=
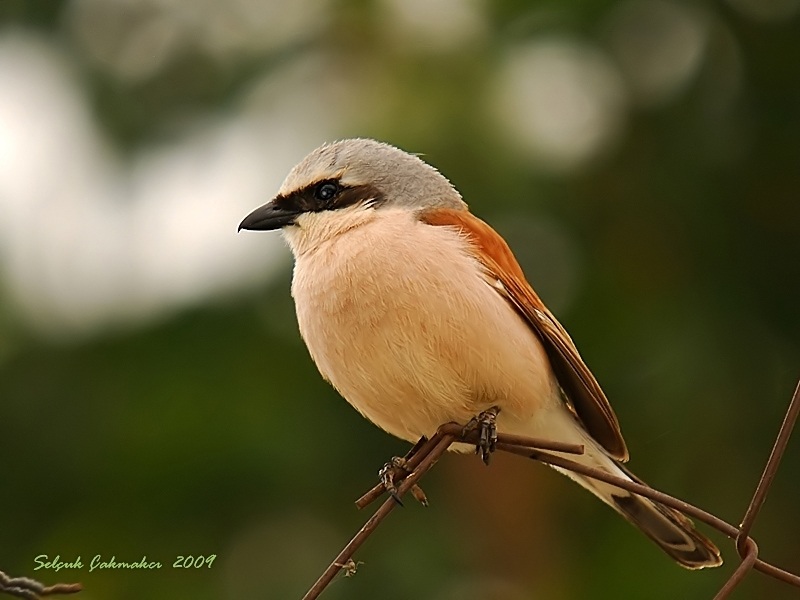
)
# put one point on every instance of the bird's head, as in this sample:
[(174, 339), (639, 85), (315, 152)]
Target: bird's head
[(344, 180)]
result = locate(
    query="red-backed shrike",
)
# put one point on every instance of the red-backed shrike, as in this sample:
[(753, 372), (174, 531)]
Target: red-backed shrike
[(418, 313)]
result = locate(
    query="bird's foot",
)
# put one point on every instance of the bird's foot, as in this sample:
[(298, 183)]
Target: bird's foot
[(392, 471), (486, 425), (396, 470)]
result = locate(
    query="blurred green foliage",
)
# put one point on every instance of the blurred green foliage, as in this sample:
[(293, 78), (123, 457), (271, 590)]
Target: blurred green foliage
[(677, 263)]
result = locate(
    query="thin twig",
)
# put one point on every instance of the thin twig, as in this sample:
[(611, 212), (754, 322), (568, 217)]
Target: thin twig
[(424, 455), (417, 453), (30, 589), (684, 507), (434, 448), (770, 470), (749, 560), (745, 545), (413, 458), (471, 437)]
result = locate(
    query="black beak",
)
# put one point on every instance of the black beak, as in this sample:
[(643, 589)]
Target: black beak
[(268, 217)]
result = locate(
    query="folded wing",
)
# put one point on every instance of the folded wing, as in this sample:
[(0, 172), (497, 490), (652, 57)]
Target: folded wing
[(581, 389)]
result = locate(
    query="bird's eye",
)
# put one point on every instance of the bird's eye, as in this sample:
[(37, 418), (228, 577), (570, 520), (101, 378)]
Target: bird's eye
[(326, 191)]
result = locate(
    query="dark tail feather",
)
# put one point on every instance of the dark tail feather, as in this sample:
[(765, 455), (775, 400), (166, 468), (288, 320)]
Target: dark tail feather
[(671, 530)]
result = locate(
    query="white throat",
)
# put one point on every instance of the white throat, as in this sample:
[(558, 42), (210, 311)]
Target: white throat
[(312, 230)]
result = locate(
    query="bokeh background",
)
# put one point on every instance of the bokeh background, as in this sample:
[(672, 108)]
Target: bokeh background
[(641, 156)]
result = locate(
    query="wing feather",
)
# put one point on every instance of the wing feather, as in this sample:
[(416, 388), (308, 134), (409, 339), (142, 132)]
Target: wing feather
[(584, 394)]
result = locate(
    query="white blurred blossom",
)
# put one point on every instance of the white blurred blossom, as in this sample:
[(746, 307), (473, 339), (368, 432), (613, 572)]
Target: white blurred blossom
[(135, 39), (88, 240), (425, 25), (561, 100), (659, 45)]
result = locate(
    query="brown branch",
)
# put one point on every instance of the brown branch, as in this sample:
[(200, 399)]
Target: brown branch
[(416, 454), (749, 555), (30, 589), (427, 452), (686, 508), (430, 451), (770, 470)]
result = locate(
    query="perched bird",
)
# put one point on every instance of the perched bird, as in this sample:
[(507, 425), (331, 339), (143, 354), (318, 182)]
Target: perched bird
[(417, 312)]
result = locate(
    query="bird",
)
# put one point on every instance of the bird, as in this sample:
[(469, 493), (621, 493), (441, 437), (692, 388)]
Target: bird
[(418, 314)]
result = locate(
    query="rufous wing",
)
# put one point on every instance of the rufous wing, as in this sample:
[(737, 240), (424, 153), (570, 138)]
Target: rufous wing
[(579, 385)]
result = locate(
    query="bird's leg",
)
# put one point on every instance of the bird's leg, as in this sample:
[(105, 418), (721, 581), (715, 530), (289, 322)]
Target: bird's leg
[(396, 468), (390, 472), (486, 424)]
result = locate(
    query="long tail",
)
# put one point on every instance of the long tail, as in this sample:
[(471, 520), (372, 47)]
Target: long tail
[(674, 533)]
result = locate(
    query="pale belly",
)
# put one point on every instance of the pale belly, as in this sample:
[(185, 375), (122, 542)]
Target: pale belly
[(414, 338)]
